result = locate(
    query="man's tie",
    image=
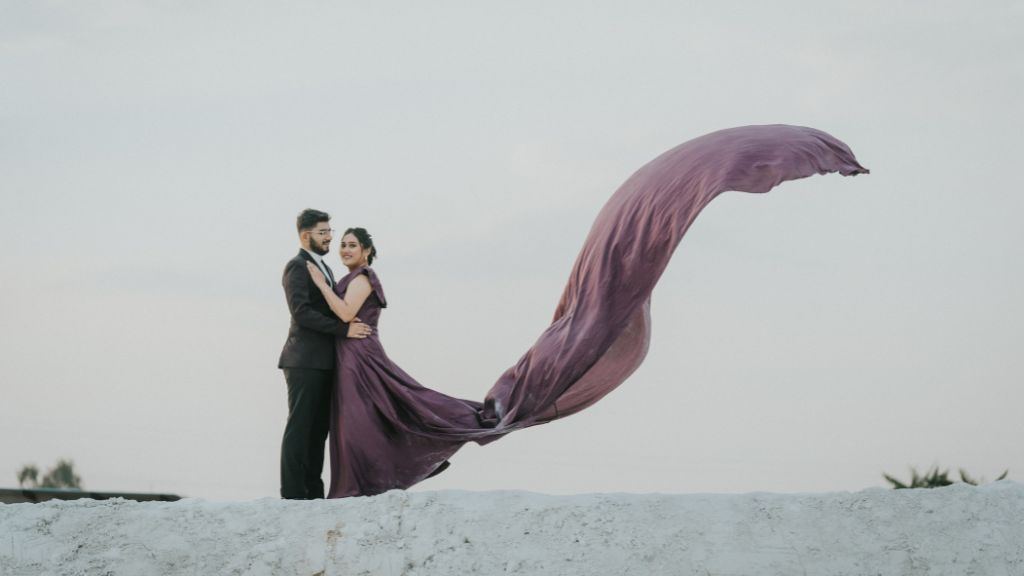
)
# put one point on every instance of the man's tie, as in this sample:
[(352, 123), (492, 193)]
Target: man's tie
[(330, 275)]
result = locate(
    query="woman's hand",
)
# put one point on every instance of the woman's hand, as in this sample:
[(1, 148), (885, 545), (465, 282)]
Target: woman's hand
[(317, 275)]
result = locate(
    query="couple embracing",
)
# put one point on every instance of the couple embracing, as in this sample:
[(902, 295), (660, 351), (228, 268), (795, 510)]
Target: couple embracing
[(308, 358), (342, 387), (386, 431)]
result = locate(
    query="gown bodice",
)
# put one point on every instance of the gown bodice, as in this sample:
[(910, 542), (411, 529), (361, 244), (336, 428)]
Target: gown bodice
[(369, 312)]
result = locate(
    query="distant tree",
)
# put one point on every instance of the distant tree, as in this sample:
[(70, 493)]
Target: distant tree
[(935, 479), (28, 474), (60, 476)]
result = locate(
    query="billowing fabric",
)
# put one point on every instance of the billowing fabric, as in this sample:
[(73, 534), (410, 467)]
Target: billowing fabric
[(388, 431)]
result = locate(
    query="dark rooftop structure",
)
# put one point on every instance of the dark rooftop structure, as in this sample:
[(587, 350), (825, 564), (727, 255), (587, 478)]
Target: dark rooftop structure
[(21, 495)]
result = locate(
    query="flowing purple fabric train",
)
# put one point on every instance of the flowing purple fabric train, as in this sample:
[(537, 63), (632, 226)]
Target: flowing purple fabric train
[(601, 327), (390, 432)]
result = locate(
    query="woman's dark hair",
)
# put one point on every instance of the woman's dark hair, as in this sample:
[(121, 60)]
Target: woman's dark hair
[(365, 241), (309, 218)]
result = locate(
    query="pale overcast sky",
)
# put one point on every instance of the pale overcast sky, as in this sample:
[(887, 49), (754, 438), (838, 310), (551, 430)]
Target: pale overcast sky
[(153, 156)]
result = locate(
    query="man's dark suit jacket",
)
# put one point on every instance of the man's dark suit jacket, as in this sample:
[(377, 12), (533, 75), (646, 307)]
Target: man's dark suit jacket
[(311, 336)]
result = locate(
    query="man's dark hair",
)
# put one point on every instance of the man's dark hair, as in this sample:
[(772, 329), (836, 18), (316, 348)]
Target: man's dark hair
[(309, 218)]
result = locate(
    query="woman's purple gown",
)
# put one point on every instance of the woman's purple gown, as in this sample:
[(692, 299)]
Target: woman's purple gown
[(388, 431)]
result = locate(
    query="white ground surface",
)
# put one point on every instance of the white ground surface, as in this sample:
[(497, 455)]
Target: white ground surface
[(957, 530)]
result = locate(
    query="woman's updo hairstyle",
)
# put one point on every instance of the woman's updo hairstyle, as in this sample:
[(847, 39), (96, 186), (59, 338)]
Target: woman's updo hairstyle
[(365, 241)]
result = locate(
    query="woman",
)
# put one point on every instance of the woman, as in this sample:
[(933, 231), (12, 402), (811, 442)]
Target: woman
[(390, 432), (387, 431)]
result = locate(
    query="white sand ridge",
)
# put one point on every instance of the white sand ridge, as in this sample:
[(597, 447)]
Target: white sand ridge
[(954, 530)]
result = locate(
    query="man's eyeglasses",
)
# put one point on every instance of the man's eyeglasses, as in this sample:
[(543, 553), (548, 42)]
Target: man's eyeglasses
[(322, 233)]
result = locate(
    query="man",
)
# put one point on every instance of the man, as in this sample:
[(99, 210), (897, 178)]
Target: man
[(308, 361)]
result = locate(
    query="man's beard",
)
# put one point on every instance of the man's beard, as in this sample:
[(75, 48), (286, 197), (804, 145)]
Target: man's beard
[(321, 250)]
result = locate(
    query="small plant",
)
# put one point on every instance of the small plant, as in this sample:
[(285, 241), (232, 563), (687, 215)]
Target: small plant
[(935, 479)]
